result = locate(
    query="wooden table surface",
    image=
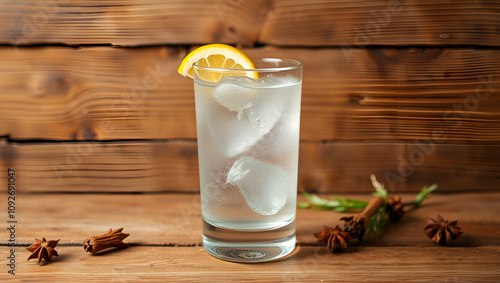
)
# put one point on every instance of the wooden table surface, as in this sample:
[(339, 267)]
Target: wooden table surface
[(165, 242), (100, 129)]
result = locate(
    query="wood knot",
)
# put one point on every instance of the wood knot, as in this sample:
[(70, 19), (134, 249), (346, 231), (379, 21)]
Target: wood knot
[(89, 134), (50, 84), (426, 54), (7, 153), (355, 99), (85, 134), (312, 183), (383, 59), (445, 35), (189, 152)]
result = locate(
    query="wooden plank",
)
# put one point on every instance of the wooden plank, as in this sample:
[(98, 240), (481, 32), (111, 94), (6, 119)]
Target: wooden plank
[(104, 167), (130, 23), (307, 264), (175, 219), (366, 264), (280, 22), (367, 94), (95, 93), (173, 166), (344, 167), (380, 22)]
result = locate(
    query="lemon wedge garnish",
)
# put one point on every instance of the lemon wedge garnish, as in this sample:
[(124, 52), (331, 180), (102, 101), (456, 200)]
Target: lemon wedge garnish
[(217, 56)]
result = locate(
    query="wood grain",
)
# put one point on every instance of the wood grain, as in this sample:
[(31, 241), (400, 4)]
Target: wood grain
[(172, 166), (105, 93), (130, 23), (104, 136), (279, 22), (175, 219), (364, 23), (307, 264)]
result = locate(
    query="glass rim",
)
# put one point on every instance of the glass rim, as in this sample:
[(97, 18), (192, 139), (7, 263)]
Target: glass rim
[(294, 65)]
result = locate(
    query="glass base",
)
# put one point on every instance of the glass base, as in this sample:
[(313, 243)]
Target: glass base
[(248, 246)]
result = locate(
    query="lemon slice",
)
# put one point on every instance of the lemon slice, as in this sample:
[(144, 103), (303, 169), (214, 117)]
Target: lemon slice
[(217, 56)]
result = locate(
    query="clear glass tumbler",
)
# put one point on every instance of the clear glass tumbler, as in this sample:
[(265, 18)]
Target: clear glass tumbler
[(248, 125)]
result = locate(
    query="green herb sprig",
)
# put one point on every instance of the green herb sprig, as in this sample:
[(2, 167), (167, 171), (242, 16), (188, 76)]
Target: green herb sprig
[(342, 204)]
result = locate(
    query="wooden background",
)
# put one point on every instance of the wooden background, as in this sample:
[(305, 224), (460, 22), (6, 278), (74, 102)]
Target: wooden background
[(90, 100)]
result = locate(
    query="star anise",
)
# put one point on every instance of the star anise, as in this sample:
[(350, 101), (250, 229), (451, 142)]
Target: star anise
[(395, 208), (334, 239), (108, 240), (442, 232), (43, 249)]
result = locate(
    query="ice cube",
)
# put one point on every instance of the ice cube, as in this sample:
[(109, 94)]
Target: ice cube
[(252, 114), (230, 135), (263, 185), (235, 92)]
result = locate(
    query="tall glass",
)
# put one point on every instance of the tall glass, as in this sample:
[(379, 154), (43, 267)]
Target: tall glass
[(248, 145)]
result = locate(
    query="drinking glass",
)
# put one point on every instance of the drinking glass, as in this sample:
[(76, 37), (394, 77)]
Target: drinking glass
[(248, 123)]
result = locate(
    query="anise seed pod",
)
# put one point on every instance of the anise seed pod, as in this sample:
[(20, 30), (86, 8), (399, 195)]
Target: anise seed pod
[(43, 249), (442, 232), (334, 239), (395, 208)]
